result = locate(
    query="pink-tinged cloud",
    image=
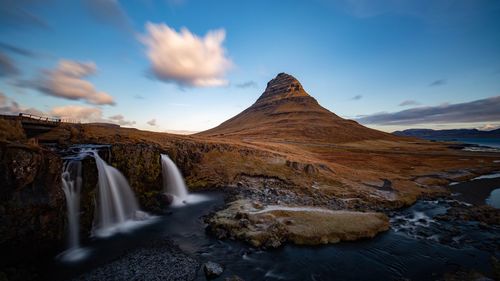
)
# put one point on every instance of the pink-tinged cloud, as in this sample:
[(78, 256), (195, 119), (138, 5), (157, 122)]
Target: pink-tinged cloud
[(186, 59), (67, 81), (78, 113)]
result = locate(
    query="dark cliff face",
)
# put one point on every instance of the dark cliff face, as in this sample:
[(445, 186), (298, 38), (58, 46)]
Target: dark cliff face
[(32, 204)]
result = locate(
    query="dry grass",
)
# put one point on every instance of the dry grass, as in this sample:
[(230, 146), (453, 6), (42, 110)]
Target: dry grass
[(11, 130)]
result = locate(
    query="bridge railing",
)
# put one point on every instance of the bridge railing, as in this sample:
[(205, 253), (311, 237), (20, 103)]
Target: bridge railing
[(40, 118)]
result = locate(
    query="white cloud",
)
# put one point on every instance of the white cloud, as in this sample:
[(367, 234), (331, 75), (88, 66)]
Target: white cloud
[(186, 59), (152, 122), (66, 81)]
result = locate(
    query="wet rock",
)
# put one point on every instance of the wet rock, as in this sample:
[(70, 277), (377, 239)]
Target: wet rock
[(166, 199), (483, 214), (212, 269)]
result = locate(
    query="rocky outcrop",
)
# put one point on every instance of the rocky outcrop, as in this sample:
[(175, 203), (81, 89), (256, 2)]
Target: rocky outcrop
[(271, 226), (484, 214), (32, 209), (141, 165)]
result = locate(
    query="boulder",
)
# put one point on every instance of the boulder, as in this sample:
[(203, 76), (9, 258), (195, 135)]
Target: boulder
[(212, 269)]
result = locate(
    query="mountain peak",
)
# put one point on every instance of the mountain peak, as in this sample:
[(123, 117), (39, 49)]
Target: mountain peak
[(282, 86), (286, 112)]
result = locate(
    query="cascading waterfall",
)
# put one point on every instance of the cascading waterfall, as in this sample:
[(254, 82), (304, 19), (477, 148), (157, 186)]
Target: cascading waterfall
[(116, 206), (71, 185), (173, 184)]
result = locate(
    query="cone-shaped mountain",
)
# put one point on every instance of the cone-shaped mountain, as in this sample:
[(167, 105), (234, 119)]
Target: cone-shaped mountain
[(286, 112)]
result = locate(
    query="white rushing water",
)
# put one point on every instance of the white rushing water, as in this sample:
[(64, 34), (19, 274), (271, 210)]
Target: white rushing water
[(71, 185), (173, 184), (116, 207)]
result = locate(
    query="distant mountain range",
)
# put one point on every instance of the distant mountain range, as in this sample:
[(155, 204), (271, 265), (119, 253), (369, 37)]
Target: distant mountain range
[(448, 134)]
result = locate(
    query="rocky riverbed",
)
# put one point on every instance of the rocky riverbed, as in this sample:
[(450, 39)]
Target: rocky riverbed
[(352, 177)]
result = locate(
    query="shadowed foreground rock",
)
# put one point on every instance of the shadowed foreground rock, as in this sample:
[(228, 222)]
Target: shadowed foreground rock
[(273, 225), (160, 260)]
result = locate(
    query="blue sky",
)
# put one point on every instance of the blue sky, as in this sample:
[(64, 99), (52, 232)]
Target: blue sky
[(358, 58)]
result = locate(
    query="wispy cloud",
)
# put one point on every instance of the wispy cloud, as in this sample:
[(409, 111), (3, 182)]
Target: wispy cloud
[(18, 14), (152, 122), (439, 82), (7, 66), (247, 84), (11, 107), (71, 113), (483, 110), (489, 127), (409, 103), (109, 12), (357, 97), (87, 114), (16, 50), (120, 120), (185, 58), (77, 113), (67, 81)]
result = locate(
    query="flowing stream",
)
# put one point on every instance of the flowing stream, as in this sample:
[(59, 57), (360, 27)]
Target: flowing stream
[(417, 247)]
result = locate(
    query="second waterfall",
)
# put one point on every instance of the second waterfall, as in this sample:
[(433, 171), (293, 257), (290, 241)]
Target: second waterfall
[(173, 184)]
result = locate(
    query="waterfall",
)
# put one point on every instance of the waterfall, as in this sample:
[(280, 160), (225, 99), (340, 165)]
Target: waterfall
[(71, 185), (116, 206), (173, 184)]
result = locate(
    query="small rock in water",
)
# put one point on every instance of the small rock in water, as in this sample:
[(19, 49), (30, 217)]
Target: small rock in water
[(212, 269), (167, 199)]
